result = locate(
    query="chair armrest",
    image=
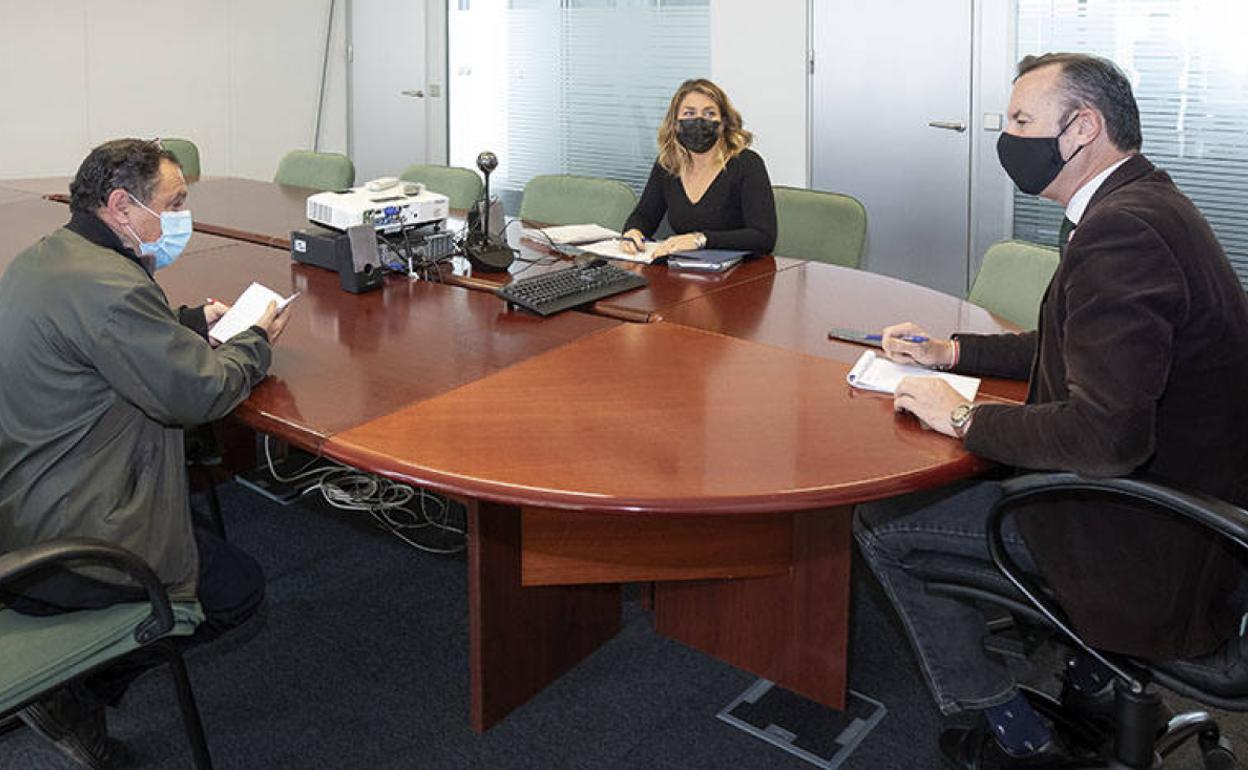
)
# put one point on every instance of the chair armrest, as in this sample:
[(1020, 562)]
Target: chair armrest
[(1218, 516), (1223, 518), (23, 561)]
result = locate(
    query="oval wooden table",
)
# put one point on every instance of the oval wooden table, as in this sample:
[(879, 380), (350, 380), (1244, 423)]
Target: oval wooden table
[(345, 359), (718, 452), (722, 464)]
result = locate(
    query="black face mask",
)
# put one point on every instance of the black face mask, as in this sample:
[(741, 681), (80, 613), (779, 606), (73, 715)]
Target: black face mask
[(697, 134), (1033, 162)]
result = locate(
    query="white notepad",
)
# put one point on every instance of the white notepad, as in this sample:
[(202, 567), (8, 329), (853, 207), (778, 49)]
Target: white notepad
[(246, 310), (877, 373), (611, 248), (577, 234)]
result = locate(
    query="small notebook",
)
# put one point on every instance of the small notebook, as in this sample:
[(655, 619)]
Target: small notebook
[(712, 260), (577, 234), (611, 248), (877, 373), (246, 310)]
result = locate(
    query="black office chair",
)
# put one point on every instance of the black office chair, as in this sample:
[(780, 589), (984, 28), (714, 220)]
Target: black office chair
[(1139, 736)]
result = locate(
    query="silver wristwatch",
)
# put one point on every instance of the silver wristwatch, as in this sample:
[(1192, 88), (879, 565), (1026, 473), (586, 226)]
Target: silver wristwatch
[(960, 418), (699, 240)]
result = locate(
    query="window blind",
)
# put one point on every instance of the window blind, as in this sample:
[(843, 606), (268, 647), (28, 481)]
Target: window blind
[(584, 87), (621, 65), (1189, 69)]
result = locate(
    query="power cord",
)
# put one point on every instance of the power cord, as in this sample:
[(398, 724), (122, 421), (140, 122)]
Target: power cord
[(549, 259), (426, 269), (389, 503)]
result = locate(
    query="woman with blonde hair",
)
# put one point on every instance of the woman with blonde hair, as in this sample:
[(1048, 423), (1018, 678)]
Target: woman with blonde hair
[(714, 189)]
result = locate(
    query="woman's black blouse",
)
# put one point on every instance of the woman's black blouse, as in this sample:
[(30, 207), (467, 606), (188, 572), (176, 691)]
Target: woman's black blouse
[(738, 210)]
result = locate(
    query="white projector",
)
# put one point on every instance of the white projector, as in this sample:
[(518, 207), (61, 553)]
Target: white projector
[(387, 210)]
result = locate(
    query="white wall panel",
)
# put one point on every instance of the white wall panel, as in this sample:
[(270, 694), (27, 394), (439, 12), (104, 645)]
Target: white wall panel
[(43, 112), (158, 68), (239, 78), (275, 73), (759, 58), (334, 115)]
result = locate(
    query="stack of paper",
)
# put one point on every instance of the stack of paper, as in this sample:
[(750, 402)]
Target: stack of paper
[(877, 373), (577, 234)]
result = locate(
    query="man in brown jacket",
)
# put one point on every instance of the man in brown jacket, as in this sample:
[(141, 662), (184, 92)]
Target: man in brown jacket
[(100, 378), (1138, 366)]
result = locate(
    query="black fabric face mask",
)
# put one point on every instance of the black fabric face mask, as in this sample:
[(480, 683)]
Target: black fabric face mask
[(697, 134), (1033, 162)]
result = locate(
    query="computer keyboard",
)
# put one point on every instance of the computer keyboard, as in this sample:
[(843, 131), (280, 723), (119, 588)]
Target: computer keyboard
[(557, 290)]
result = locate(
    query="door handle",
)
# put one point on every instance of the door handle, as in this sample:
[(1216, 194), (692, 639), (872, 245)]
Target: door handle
[(948, 125), (418, 94)]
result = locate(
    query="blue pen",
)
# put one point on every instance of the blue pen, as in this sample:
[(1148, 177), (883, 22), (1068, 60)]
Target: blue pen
[(863, 338), (903, 337)]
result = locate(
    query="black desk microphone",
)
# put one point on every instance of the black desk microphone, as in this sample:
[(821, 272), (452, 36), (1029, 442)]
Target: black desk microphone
[(484, 251)]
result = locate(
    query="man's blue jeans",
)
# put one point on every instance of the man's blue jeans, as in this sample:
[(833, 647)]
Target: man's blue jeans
[(946, 633)]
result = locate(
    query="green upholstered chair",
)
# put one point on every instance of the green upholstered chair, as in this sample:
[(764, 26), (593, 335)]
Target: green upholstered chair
[(187, 154), (316, 170), (41, 654), (462, 185), (562, 199), (821, 226), (1012, 280)]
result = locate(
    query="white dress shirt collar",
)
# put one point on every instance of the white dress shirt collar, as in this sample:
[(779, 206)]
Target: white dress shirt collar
[(1083, 196)]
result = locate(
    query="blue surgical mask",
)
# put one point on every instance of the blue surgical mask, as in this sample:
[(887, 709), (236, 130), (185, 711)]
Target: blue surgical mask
[(175, 231)]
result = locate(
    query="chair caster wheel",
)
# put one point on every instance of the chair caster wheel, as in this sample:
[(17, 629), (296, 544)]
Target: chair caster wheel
[(1216, 752)]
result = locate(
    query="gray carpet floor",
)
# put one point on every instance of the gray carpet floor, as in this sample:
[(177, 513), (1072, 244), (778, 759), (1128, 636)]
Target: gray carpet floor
[(362, 662)]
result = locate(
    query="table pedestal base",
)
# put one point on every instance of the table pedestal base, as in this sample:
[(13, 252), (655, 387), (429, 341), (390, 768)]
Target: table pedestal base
[(792, 629), (543, 594), (521, 639)]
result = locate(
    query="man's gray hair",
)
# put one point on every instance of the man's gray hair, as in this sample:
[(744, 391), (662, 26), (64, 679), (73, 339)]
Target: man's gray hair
[(1091, 81), (130, 164)]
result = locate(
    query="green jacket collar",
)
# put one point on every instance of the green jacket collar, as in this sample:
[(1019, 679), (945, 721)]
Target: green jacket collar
[(92, 228)]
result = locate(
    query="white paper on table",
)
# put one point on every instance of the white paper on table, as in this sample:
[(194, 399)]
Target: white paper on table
[(611, 248), (577, 234), (877, 373), (246, 310)]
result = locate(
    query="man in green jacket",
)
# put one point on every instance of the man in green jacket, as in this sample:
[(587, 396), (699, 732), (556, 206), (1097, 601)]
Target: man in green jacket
[(101, 377)]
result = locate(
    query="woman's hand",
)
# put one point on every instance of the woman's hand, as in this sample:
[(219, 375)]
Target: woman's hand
[(684, 242), (632, 241)]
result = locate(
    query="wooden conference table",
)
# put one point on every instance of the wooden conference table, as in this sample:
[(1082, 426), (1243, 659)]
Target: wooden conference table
[(717, 451)]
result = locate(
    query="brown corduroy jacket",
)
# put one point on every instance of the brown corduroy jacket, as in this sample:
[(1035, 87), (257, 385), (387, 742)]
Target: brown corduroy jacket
[(1139, 366)]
